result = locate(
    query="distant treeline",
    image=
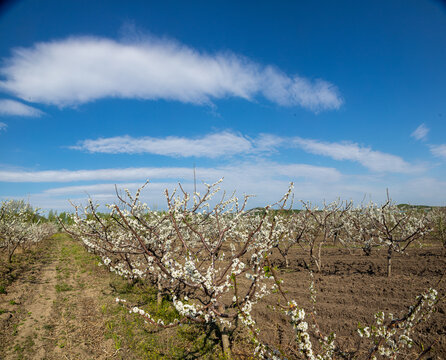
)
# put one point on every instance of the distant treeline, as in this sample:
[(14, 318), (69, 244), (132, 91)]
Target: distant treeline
[(66, 217), (426, 208)]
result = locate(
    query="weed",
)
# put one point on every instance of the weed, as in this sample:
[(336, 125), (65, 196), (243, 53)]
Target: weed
[(63, 287), (15, 329), (48, 327)]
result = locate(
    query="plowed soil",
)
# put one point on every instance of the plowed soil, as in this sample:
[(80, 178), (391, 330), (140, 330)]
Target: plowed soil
[(352, 287)]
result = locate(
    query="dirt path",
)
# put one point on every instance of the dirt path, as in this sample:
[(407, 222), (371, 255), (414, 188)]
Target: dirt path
[(37, 307), (54, 311)]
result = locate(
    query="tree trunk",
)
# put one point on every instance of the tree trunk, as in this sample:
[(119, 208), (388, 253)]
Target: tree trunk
[(225, 343), (224, 335), (319, 257), (335, 238), (159, 295), (314, 259), (389, 261), (11, 251), (367, 248)]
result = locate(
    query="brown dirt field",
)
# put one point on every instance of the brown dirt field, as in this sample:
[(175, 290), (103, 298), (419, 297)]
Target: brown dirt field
[(352, 287)]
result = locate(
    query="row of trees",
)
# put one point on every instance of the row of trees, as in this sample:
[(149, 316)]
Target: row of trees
[(211, 258), (367, 227), (21, 226)]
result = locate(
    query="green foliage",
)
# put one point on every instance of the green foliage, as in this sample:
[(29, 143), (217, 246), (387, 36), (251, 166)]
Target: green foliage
[(63, 287)]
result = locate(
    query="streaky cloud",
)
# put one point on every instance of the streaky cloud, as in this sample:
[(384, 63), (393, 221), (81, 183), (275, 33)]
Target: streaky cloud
[(212, 145), (376, 161), (438, 150), (236, 171), (16, 108), (78, 70), (420, 133), (102, 188), (227, 143)]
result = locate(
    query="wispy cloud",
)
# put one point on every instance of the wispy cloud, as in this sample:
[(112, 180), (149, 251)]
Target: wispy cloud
[(212, 145), (371, 159), (82, 69), (237, 171), (100, 188), (122, 174), (228, 143), (270, 142), (15, 108), (420, 133), (438, 150), (3, 126)]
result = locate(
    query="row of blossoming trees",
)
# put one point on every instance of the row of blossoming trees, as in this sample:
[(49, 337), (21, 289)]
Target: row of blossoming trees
[(21, 227), (212, 259), (367, 227)]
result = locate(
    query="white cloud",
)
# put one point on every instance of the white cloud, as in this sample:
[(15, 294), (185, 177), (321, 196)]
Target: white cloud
[(228, 143), (88, 175), (371, 159), (225, 143), (420, 133), (86, 189), (268, 142), (212, 145), (15, 108), (3, 126), (82, 69), (238, 171), (103, 189), (439, 150), (270, 170)]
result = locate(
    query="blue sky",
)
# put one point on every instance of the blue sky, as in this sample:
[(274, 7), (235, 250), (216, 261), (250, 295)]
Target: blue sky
[(343, 98)]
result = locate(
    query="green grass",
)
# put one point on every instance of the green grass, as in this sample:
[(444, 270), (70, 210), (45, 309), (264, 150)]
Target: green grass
[(129, 330), (63, 287)]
